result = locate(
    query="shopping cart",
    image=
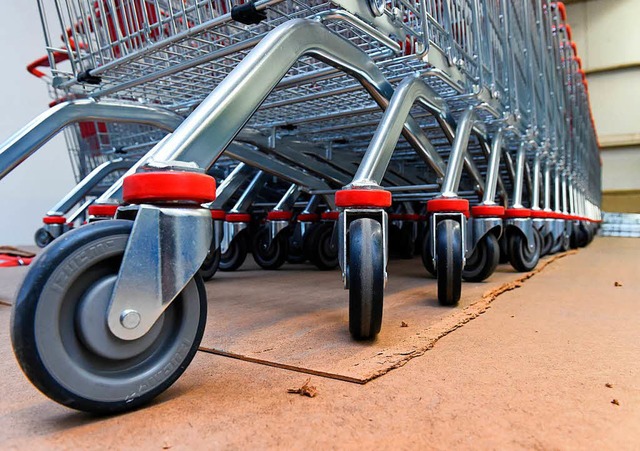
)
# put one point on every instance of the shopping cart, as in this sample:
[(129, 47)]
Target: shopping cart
[(100, 153), (448, 113)]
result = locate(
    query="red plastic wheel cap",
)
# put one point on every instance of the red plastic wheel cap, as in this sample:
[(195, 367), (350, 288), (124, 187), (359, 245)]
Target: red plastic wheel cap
[(218, 215), (368, 198), (448, 205), (330, 215), (308, 217), (166, 186), (102, 210), (540, 214), (238, 217), (480, 211), (517, 213), (54, 220), (279, 215)]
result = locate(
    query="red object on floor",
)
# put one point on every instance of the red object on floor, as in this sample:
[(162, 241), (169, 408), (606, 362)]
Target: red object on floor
[(7, 261)]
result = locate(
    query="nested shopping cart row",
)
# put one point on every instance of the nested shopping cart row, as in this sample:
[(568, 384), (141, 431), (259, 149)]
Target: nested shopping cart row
[(338, 132)]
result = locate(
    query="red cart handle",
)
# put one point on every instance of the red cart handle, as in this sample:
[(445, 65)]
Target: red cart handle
[(58, 57)]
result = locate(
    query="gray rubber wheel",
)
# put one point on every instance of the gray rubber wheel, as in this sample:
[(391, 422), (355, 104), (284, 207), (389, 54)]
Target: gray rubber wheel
[(522, 258), (547, 244), (42, 238), (565, 242), (483, 261), (366, 278), (427, 255), (236, 254), (269, 256), (504, 251), (449, 261), (320, 246), (60, 334), (406, 244), (580, 236), (210, 264)]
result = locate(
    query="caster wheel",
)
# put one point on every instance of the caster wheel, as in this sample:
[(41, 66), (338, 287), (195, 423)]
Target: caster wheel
[(547, 244), (561, 244), (417, 246), (592, 234), (582, 237), (565, 242), (235, 255), (42, 238), (394, 240), (483, 261), (406, 245), (504, 251), (210, 265), (449, 261), (366, 278), (573, 240), (522, 258), (269, 256), (60, 334), (320, 248), (296, 256), (579, 236), (427, 256)]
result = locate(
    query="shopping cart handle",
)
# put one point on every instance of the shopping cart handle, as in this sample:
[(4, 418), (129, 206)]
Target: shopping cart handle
[(562, 9), (575, 48), (58, 57)]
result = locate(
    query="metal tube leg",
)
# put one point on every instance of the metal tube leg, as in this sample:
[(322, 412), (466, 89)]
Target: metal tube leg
[(249, 194), (230, 185), (87, 184), (376, 159), (44, 127), (535, 199), (547, 187), (519, 181), (456, 161), (493, 170), (289, 198)]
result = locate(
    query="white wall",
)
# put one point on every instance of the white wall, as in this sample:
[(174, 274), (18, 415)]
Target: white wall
[(36, 185), (608, 36)]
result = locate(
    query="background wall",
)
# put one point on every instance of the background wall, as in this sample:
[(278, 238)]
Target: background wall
[(36, 185), (608, 39)]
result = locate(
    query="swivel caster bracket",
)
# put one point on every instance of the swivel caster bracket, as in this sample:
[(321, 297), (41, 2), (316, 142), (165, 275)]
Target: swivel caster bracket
[(165, 250)]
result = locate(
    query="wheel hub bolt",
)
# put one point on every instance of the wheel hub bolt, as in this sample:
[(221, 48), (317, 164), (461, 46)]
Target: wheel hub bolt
[(130, 319)]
